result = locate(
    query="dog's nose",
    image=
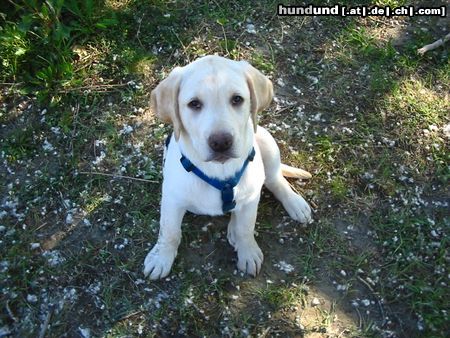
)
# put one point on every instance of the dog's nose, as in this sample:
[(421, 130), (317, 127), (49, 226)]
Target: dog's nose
[(220, 142)]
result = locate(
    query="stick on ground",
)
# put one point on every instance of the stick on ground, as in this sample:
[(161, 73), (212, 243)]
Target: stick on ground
[(434, 45)]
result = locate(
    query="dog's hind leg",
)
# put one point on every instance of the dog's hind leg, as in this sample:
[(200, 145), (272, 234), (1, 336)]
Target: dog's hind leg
[(294, 204)]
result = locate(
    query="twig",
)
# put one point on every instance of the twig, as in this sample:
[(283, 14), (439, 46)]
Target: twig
[(341, 334), (10, 83), (45, 325), (75, 116), (94, 87), (131, 315), (382, 22), (375, 294), (10, 313), (277, 112), (41, 226), (139, 30), (117, 176), (181, 42), (280, 40), (265, 332), (207, 256), (433, 45), (360, 318), (225, 38), (102, 87)]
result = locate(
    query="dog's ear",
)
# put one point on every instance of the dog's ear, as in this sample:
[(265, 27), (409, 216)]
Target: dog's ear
[(164, 100), (261, 90)]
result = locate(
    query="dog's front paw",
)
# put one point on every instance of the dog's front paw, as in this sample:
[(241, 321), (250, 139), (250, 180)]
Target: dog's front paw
[(159, 261), (250, 257), (298, 208)]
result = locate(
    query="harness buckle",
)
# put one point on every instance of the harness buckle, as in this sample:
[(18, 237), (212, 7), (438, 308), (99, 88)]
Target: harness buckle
[(228, 206), (224, 186), (228, 202)]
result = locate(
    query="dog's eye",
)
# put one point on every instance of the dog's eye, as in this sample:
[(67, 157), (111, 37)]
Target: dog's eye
[(195, 105), (236, 100)]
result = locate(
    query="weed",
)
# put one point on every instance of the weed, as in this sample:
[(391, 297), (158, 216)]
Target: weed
[(391, 3), (262, 63), (279, 297), (36, 44)]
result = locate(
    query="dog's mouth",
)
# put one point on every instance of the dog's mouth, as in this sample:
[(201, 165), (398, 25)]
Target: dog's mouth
[(221, 157)]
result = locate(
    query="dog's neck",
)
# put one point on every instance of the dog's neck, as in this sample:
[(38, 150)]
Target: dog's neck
[(212, 168)]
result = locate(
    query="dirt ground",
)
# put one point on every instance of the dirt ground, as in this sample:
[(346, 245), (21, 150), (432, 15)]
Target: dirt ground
[(354, 105)]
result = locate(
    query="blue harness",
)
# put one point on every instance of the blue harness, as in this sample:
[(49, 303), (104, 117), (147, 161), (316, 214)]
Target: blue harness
[(224, 186)]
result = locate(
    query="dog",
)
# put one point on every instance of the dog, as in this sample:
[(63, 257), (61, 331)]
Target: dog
[(217, 158)]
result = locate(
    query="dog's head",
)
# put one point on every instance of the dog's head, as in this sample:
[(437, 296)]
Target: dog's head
[(211, 103)]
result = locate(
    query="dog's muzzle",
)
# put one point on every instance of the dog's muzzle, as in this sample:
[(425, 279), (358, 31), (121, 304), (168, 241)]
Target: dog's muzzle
[(221, 144)]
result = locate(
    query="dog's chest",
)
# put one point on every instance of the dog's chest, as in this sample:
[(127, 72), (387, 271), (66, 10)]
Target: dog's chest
[(197, 196), (204, 199)]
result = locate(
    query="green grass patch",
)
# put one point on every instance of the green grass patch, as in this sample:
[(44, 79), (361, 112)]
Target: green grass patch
[(391, 3), (36, 44), (278, 296), (415, 253)]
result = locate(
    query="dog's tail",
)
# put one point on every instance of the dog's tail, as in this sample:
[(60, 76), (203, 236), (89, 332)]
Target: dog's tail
[(289, 171)]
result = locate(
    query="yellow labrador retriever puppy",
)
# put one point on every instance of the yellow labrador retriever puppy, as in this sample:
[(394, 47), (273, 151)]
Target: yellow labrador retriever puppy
[(218, 159)]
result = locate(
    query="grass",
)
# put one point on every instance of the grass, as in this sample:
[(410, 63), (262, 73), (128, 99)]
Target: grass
[(355, 105)]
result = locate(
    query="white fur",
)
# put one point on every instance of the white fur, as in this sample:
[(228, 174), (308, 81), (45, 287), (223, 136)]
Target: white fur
[(213, 80)]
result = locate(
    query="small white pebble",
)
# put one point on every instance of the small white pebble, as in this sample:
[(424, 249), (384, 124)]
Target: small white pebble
[(283, 266), (47, 146), (251, 28), (315, 301), (69, 219), (32, 298), (35, 246), (365, 302), (85, 332)]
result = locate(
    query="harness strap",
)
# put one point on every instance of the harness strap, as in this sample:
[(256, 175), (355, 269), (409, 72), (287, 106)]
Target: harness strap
[(167, 142), (225, 186)]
